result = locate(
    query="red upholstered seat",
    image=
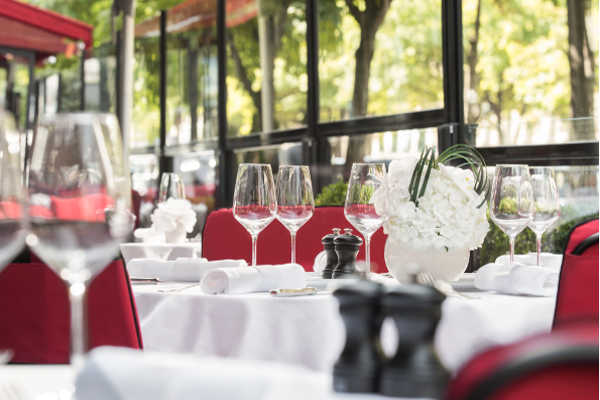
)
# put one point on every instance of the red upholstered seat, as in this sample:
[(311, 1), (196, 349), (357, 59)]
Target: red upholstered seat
[(34, 312), (561, 365), (82, 207), (224, 237), (577, 296)]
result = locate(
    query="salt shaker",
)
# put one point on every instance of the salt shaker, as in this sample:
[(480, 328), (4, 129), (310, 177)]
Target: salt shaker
[(346, 247), (332, 258)]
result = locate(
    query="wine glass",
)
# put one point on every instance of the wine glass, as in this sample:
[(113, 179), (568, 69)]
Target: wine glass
[(80, 197), (511, 201), (13, 215), (254, 201), (547, 206), (295, 202), (171, 186), (365, 179)]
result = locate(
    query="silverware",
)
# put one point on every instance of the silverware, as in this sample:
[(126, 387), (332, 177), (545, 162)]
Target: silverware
[(12, 391), (425, 278), (144, 280), (178, 289)]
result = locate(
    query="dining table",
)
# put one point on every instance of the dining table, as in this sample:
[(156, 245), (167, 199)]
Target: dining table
[(308, 330)]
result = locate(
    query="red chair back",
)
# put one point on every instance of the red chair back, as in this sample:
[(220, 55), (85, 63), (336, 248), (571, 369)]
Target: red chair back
[(562, 364), (224, 237), (577, 296), (34, 312)]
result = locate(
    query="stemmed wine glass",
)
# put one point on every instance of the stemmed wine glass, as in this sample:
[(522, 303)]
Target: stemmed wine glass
[(80, 199), (254, 201), (13, 214), (171, 186), (295, 202), (547, 206), (365, 179), (511, 202)]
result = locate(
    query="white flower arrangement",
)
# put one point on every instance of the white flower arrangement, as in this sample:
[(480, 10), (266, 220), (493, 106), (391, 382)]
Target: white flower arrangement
[(171, 220), (427, 204)]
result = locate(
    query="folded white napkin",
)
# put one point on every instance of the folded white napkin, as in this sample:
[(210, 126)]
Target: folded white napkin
[(517, 279), (179, 270), (112, 373), (548, 260), (261, 278)]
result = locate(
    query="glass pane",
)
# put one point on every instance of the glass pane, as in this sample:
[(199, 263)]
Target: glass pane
[(100, 84), (389, 64), (578, 190), (266, 66), (198, 172), (144, 180), (146, 94), (70, 89), (191, 86), (528, 80)]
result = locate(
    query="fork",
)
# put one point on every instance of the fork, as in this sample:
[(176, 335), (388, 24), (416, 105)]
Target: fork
[(425, 278), (178, 289)]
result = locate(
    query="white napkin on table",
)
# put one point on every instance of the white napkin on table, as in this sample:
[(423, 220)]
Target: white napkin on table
[(548, 260), (112, 373), (179, 270), (519, 278), (261, 278)]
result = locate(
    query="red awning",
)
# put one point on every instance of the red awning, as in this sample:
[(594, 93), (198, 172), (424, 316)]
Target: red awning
[(23, 26), (198, 14)]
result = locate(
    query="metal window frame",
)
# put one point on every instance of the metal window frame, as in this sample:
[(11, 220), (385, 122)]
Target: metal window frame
[(314, 136)]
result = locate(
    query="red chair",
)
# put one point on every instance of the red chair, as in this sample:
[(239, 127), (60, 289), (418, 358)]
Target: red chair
[(577, 296), (34, 312), (558, 365), (562, 364), (224, 237)]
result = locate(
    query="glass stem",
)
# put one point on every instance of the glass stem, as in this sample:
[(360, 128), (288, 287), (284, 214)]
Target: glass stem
[(368, 252), (512, 248), (79, 337), (293, 240), (538, 245), (254, 237)]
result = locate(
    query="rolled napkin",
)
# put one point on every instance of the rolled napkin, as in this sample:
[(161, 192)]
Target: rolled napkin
[(180, 270), (261, 278), (517, 279), (112, 373)]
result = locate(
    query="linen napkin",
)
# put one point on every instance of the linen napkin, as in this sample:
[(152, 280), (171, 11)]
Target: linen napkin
[(320, 262), (548, 260), (179, 270), (261, 278), (516, 278), (112, 373)]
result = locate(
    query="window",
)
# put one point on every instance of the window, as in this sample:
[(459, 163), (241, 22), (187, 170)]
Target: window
[(146, 96)]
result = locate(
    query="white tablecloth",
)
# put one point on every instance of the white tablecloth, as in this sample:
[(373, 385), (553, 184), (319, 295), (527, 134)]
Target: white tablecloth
[(308, 330)]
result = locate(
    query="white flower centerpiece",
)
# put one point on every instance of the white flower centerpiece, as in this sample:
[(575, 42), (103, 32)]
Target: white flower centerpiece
[(434, 213)]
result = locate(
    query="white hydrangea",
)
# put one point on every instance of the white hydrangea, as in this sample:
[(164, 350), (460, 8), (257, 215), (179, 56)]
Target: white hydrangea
[(447, 216)]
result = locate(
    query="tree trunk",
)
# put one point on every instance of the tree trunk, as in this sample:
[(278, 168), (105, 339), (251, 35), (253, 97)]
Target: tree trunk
[(581, 64), (473, 108), (369, 20)]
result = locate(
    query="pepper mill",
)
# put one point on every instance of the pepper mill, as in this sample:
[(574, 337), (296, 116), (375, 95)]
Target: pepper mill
[(357, 369), (346, 247), (415, 370), (332, 258)]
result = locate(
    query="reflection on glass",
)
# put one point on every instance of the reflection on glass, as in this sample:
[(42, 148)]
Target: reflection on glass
[(379, 57), (266, 67), (527, 83)]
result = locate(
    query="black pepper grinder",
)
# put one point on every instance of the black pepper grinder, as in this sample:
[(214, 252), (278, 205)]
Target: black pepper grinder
[(332, 258), (357, 368), (415, 370), (346, 247)]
